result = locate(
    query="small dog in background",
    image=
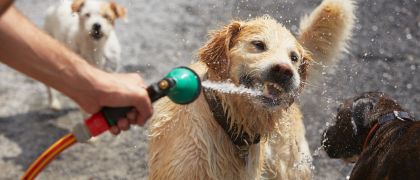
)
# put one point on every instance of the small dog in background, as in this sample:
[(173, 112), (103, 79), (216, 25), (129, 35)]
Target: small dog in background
[(376, 133), (87, 28)]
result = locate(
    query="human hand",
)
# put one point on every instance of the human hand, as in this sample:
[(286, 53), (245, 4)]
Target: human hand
[(117, 90)]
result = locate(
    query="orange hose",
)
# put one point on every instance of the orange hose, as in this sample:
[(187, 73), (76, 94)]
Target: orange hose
[(48, 155)]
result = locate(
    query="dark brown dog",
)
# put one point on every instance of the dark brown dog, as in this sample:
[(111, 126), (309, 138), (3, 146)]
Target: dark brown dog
[(375, 132)]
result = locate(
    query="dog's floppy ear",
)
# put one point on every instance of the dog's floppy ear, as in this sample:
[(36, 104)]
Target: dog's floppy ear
[(214, 53), (118, 10), (327, 29), (361, 109), (342, 140), (77, 5)]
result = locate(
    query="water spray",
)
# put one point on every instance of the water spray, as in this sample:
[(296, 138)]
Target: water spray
[(182, 85)]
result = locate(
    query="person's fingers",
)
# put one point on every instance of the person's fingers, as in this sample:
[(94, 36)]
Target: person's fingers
[(123, 124), (132, 116), (114, 130), (144, 107)]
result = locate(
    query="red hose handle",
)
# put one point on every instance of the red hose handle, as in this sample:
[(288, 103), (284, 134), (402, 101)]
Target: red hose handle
[(107, 117)]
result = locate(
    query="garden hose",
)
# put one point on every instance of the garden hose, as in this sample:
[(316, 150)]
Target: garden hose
[(182, 85)]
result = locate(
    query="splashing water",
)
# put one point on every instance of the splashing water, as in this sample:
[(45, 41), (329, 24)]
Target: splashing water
[(230, 88), (305, 161), (318, 150)]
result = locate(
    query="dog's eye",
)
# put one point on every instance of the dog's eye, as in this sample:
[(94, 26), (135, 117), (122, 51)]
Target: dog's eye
[(294, 57), (259, 45), (107, 17), (87, 15)]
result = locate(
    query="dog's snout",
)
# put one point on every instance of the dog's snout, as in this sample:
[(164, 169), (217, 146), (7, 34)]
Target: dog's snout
[(96, 31), (96, 26), (282, 70), (281, 73)]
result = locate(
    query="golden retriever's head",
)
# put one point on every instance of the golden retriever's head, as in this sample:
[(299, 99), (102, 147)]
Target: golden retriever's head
[(260, 54)]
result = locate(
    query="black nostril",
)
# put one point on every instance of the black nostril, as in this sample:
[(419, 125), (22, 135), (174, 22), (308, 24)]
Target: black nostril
[(96, 26), (282, 70)]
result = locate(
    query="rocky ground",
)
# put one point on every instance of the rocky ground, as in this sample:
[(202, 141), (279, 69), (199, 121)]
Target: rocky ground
[(384, 56)]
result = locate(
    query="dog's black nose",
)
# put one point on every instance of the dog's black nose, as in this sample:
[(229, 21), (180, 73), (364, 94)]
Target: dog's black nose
[(96, 27), (281, 73)]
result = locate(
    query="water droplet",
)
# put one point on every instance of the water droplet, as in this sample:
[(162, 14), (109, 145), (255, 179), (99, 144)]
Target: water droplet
[(374, 28), (387, 76), (381, 51)]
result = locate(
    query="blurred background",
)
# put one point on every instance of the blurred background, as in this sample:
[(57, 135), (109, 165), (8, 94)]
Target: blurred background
[(159, 35)]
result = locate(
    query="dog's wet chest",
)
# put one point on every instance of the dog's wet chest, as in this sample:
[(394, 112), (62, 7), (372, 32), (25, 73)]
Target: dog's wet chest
[(93, 54), (229, 161)]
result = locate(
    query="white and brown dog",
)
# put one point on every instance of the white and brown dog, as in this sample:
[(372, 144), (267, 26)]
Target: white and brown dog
[(231, 136), (87, 28)]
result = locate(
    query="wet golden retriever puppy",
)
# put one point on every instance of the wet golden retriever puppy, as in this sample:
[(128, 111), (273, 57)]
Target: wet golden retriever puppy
[(243, 136)]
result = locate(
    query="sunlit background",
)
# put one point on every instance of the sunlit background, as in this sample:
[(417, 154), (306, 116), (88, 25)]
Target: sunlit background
[(159, 35)]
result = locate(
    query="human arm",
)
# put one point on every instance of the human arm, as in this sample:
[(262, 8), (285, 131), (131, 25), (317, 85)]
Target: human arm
[(4, 5)]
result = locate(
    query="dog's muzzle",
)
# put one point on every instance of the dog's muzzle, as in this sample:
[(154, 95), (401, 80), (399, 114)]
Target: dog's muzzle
[(280, 76), (278, 85), (96, 32)]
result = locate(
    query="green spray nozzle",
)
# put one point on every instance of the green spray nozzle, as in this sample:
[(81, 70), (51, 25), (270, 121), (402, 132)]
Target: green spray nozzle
[(187, 85), (182, 85)]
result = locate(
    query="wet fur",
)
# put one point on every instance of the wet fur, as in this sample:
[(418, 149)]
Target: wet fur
[(327, 31), (393, 151), (187, 143), (393, 154)]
